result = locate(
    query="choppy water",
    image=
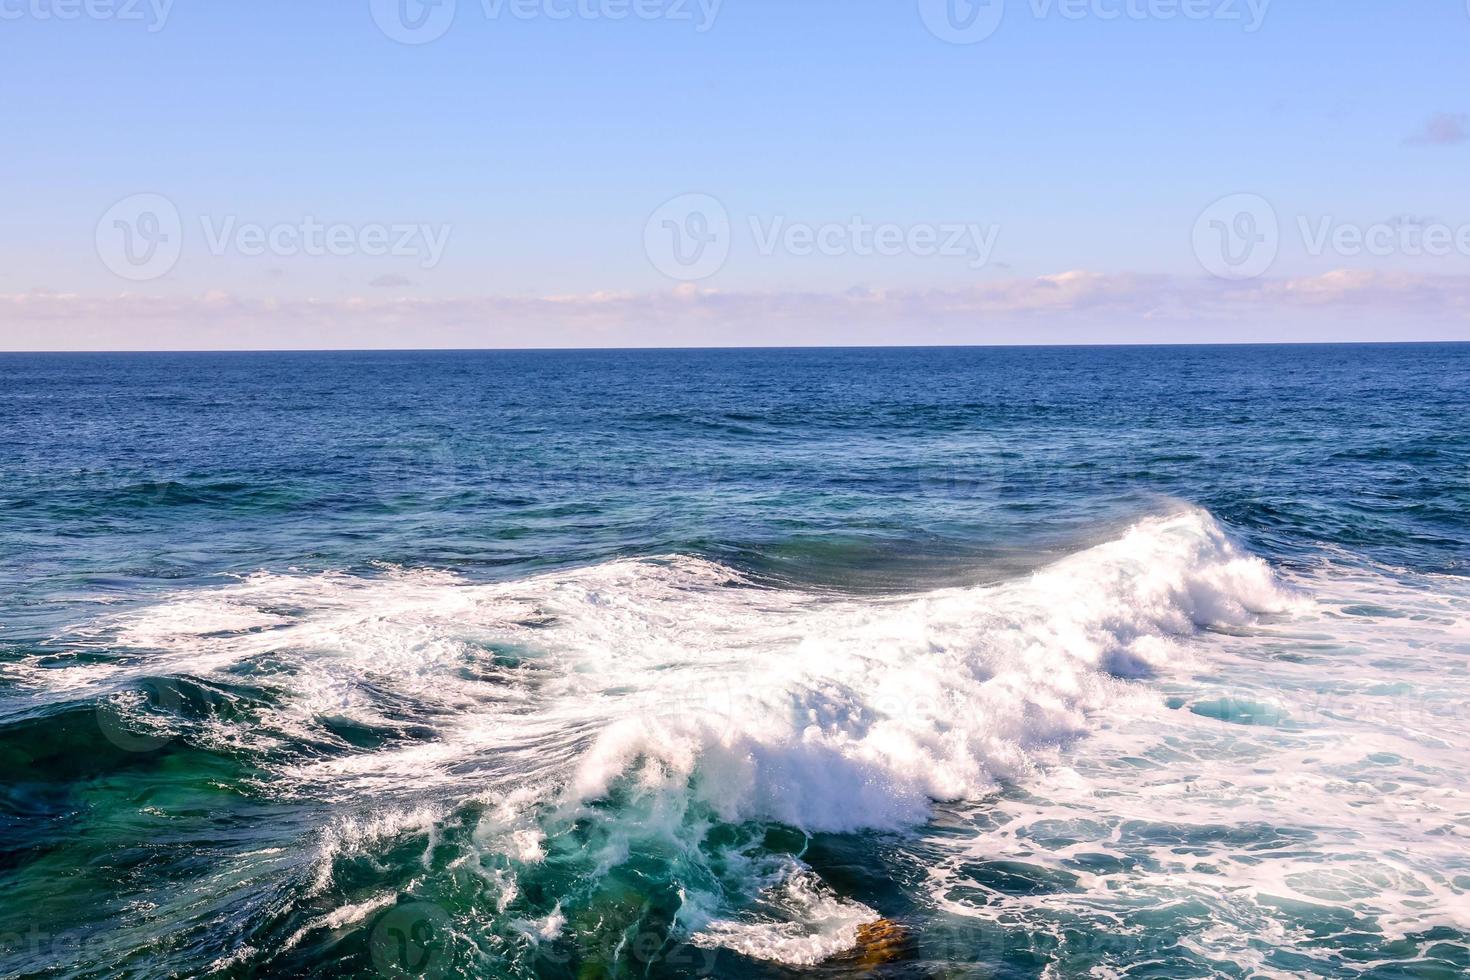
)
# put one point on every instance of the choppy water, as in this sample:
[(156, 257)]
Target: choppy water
[(905, 663)]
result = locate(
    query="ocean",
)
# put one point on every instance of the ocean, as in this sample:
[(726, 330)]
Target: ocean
[(1005, 662)]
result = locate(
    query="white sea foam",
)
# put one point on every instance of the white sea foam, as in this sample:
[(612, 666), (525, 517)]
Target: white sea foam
[(674, 675), (846, 715), (1308, 776), (689, 693), (800, 921)]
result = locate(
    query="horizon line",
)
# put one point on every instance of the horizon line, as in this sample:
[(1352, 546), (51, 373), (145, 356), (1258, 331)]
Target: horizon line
[(754, 347)]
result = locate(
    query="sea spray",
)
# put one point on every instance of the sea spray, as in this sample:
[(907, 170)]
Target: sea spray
[(608, 719)]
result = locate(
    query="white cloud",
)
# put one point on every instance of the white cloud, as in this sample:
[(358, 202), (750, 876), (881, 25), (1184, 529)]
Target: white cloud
[(1068, 307), (392, 281)]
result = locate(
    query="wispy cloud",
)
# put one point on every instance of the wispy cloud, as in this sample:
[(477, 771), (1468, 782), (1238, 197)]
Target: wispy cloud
[(1051, 308), (391, 281), (1444, 129)]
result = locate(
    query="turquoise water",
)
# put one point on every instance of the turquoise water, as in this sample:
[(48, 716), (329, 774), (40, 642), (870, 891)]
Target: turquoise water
[(1123, 662)]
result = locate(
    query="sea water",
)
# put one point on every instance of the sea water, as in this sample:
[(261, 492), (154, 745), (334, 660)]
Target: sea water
[(1113, 662)]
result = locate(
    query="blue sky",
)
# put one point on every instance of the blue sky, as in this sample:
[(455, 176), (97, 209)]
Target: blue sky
[(518, 158)]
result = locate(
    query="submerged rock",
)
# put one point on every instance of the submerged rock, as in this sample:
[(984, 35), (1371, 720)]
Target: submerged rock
[(880, 942)]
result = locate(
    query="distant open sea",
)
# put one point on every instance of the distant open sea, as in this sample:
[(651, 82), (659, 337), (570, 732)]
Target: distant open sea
[(1024, 663)]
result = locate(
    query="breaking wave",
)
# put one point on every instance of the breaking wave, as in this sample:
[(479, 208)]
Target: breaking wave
[(597, 718)]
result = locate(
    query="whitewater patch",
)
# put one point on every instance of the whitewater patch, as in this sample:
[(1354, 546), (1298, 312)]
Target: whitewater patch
[(798, 920), (1306, 782), (657, 698), (678, 676), (846, 716)]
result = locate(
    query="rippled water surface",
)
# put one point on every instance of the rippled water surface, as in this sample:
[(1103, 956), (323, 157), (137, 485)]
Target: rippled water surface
[(1123, 662)]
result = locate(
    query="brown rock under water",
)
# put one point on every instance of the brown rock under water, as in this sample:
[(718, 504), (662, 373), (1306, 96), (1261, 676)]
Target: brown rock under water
[(884, 941)]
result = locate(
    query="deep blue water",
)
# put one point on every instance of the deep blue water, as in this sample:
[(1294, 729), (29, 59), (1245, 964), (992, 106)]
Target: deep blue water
[(252, 603)]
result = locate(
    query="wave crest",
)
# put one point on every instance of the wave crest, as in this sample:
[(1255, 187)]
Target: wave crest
[(835, 715)]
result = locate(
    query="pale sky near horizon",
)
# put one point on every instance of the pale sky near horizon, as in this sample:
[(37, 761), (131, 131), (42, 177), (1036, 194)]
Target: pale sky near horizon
[(542, 173)]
